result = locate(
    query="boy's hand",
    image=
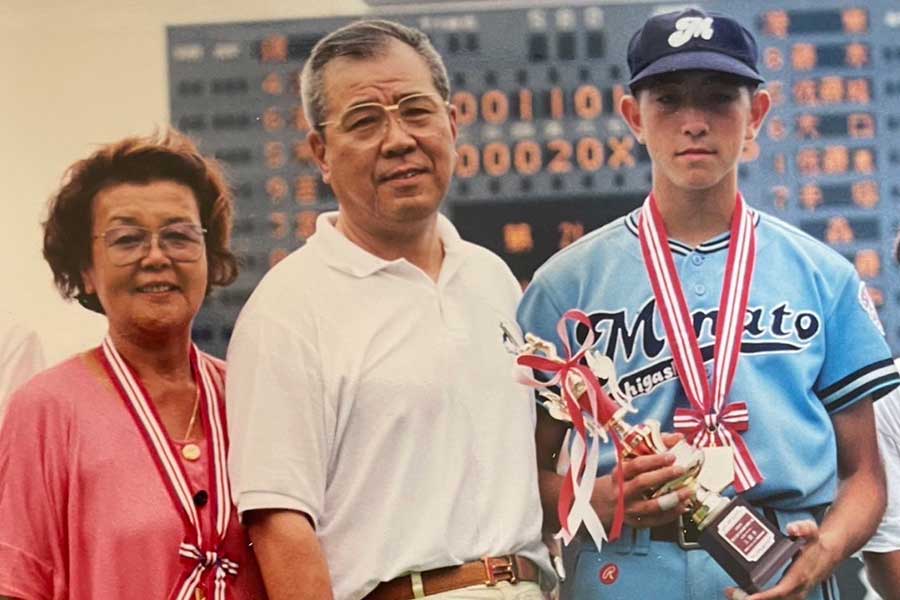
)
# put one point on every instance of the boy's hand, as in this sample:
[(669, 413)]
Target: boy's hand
[(811, 566)]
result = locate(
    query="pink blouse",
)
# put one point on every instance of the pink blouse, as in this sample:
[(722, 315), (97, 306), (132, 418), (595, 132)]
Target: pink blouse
[(84, 512)]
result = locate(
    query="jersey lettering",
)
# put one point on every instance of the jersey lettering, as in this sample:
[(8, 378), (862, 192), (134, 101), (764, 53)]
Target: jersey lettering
[(773, 330)]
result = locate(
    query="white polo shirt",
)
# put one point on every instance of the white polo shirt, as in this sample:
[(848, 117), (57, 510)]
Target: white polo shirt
[(382, 404), (20, 357)]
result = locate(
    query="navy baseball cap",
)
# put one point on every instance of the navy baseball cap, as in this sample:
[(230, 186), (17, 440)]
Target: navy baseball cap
[(692, 40)]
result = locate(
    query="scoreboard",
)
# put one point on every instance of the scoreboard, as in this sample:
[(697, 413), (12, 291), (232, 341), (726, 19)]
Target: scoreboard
[(543, 156)]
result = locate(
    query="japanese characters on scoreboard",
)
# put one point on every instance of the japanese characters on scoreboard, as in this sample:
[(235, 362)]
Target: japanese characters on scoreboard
[(829, 137)]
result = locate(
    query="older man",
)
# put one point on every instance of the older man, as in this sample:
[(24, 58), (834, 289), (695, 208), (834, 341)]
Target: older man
[(380, 448)]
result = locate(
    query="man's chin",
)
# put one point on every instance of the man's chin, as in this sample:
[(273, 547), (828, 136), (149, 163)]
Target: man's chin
[(412, 208)]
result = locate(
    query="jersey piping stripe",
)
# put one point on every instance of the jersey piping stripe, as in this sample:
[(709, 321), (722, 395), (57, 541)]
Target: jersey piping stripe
[(828, 587), (876, 389), (844, 381), (682, 249), (881, 379)]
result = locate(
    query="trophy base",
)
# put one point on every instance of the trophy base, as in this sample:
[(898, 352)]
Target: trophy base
[(747, 546)]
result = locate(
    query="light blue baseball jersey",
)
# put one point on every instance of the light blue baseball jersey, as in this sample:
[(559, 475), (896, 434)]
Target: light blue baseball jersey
[(812, 346), (812, 343)]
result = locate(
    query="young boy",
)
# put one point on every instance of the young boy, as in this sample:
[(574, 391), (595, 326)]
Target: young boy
[(741, 329)]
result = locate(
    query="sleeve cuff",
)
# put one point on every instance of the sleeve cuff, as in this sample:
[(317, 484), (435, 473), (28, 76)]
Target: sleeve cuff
[(875, 380), (248, 501)]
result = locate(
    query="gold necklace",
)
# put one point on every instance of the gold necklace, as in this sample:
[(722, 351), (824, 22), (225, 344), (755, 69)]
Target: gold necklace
[(190, 450)]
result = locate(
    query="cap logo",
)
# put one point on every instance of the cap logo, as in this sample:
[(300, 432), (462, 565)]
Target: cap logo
[(687, 28)]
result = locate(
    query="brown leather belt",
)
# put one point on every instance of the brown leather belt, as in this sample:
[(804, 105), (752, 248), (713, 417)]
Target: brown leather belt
[(487, 571)]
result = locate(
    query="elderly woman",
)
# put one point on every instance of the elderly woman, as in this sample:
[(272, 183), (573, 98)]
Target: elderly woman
[(113, 481)]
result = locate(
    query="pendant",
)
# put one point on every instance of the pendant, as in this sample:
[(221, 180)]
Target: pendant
[(191, 452), (198, 593)]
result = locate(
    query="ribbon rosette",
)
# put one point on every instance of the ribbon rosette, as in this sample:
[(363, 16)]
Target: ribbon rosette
[(722, 429), (593, 403)]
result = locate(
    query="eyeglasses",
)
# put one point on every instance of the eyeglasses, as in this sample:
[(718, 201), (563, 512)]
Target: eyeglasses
[(127, 244), (419, 114)]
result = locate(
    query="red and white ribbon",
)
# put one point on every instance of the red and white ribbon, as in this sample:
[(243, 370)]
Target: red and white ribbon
[(205, 555), (574, 506), (709, 421)]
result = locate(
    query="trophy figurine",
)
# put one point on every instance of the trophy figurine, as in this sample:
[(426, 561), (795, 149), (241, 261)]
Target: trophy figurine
[(746, 545)]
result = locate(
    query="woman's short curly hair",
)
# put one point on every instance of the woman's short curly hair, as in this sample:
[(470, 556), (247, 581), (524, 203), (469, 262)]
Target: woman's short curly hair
[(167, 156)]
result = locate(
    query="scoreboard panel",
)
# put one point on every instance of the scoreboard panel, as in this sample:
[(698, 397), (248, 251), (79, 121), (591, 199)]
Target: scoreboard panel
[(543, 156)]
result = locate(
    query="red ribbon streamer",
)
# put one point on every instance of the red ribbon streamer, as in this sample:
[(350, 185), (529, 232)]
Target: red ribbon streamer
[(594, 401)]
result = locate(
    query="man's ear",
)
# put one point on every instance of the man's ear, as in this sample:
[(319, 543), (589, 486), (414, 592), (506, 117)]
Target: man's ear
[(630, 110), (760, 103), (454, 127), (454, 134), (317, 144)]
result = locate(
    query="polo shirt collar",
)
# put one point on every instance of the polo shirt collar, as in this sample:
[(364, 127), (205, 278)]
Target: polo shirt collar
[(342, 254)]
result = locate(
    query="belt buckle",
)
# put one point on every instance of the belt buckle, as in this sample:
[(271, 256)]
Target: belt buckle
[(688, 534), (500, 571)]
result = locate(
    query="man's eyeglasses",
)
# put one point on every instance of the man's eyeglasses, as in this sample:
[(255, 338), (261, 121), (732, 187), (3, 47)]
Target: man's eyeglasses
[(127, 244), (418, 114)]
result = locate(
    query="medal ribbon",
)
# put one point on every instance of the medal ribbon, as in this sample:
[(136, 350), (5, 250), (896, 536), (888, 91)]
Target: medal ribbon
[(205, 556), (709, 421), (574, 506)]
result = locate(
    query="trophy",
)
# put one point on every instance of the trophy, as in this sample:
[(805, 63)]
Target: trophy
[(747, 546)]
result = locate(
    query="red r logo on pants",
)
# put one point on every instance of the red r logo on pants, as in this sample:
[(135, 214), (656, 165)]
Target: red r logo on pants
[(609, 573)]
